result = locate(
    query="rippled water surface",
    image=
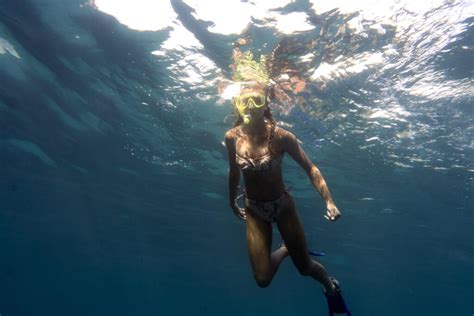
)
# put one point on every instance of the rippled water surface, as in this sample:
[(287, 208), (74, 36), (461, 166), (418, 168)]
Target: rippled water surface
[(113, 175)]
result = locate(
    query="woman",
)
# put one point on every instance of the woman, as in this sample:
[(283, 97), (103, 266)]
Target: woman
[(256, 146)]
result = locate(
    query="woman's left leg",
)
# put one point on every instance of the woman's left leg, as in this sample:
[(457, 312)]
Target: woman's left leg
[(259, 241), (292, 232)]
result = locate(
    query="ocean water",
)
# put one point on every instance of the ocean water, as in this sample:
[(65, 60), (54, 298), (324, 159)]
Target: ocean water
[(113, 175)]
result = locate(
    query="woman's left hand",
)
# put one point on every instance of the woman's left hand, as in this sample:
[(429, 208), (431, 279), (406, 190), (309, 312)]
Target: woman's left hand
[(332, 213)]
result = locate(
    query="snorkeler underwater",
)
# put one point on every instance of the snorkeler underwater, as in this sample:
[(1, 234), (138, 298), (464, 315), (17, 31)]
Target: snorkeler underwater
[(198, 157)]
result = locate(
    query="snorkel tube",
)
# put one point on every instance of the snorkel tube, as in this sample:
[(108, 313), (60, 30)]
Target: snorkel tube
[(245, 116), (248, 71)]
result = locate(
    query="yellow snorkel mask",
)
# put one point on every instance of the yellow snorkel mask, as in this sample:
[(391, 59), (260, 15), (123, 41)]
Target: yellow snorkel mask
[(251, 76), (246, 101)]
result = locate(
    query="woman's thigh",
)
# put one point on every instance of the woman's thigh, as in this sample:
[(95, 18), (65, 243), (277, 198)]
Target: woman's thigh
[(259, 243), (292, 232)]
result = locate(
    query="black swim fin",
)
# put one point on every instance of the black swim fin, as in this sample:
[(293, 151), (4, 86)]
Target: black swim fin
[(336, 302)]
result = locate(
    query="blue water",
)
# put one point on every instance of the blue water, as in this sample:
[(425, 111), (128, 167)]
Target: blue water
[(113, 176)]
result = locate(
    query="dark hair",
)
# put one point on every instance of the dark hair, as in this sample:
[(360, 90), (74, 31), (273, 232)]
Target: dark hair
[(268, 115)]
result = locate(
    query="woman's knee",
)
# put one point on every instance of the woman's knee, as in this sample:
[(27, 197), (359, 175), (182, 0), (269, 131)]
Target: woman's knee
[(263, 279)]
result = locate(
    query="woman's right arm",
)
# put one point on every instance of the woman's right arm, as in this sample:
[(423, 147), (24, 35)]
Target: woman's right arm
[(234, 174)]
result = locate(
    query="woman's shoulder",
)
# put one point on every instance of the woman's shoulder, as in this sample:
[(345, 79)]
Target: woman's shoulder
[(232, 133), (283, 134), (285, 139)]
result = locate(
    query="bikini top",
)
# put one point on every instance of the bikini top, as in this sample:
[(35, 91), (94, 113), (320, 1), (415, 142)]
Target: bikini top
[(259, 164), (262, 163)]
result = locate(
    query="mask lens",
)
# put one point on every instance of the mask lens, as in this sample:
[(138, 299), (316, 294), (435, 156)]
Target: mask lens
[(259, 101), (241, 103), (256, 100)]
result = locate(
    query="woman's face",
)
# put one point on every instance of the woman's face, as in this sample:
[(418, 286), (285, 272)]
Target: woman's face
[(251, 104)]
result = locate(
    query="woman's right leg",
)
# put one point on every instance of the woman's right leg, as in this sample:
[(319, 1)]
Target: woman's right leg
[(259, 242)]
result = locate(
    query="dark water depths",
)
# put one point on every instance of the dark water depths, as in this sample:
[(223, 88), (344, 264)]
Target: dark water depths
[(113, 177)]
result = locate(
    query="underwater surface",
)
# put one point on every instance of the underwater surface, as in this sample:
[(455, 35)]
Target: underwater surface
[(113, 173)]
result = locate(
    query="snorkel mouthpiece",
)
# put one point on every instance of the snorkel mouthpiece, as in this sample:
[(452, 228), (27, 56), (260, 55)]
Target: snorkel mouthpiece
[(245, 116)]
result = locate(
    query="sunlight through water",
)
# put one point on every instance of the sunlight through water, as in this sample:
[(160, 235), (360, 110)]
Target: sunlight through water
[(378, 70)]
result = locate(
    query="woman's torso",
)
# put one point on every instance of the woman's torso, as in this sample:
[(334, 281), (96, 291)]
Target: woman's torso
[(260, 167)]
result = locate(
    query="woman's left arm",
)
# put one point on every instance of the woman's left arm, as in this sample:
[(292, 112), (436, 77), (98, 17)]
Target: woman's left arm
[(293, 148)]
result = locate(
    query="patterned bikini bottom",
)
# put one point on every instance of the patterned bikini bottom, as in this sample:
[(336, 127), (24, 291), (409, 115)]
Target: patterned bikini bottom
[(269, 211)]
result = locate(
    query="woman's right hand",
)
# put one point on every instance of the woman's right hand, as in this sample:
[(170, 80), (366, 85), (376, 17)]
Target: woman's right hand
[(239, 211)]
